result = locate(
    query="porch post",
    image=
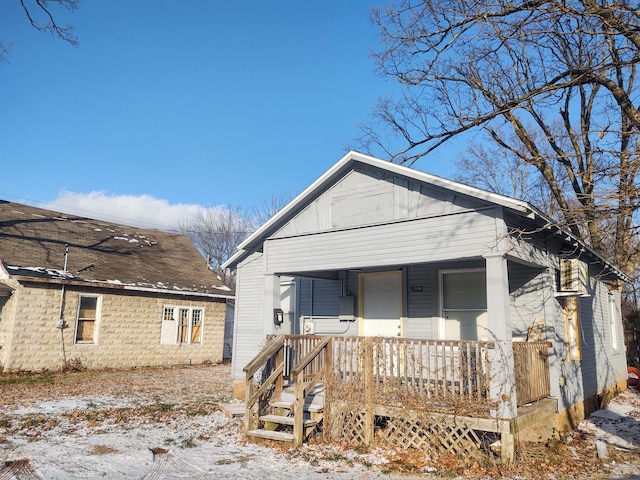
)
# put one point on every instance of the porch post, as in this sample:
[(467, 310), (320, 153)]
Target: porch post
[(499, 321), (271, 301)]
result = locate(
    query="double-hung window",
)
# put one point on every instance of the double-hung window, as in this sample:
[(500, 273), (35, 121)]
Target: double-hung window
[(87, 319), (181, 325)]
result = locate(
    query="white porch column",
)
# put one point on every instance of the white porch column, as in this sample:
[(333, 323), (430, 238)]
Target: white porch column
[(271, 301), (499, 322)]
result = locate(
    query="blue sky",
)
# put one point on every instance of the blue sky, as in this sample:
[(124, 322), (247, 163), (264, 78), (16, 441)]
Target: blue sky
[(172, 104)]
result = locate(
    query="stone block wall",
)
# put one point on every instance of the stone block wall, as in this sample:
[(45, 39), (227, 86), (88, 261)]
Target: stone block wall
[(127, 333)]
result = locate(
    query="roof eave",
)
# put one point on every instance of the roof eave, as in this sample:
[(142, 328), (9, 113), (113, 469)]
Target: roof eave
[(117, 286)]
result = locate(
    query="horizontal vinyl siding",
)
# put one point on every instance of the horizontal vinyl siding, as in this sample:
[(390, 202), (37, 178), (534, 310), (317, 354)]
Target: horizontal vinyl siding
[(438, 238), (531, 291), (422, 306), (601, 366), (249, 324)]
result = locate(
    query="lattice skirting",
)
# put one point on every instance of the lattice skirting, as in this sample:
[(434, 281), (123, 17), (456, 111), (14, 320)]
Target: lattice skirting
[(347, 425), (432, 434)]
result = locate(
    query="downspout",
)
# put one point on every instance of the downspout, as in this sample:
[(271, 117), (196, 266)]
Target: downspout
[(60, 323)]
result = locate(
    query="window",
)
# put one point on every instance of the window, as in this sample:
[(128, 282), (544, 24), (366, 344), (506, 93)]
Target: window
[(572, 328), (86, 323), (181, 325), (613, 318), (464, 305)]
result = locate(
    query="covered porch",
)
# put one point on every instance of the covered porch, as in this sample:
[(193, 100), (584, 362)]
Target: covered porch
[(438, 395)]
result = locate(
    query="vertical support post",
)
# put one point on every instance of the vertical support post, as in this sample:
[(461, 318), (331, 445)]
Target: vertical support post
[(507, 447), (271, 301), (502, 362), (329, 370), (248, 412), (279, 383), (369, 391), (499, 322), (298, 409)]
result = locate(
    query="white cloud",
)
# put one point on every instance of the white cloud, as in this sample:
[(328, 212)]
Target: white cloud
[(143, 211)]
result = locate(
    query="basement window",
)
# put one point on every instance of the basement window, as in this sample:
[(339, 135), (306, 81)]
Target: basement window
[(87, 319)]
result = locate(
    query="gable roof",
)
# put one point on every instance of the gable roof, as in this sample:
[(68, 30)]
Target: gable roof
[(33, 242), (348, 163)]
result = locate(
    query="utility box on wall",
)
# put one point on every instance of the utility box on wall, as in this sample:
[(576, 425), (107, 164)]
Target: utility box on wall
[(347, 311)]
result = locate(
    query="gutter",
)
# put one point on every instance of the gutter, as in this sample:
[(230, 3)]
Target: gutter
[(117, 286)]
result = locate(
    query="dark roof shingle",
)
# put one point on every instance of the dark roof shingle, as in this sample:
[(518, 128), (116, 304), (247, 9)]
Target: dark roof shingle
[(34, 239)]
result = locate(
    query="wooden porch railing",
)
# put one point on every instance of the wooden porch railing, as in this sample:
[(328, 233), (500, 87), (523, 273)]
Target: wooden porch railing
[(412, 373), (431, 372), (293, 357), (531, 370)]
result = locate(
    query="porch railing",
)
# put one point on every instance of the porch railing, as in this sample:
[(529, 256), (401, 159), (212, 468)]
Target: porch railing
[(415, 371), (391, 371), (531, 370)]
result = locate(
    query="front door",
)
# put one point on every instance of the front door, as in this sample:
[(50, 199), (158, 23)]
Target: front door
[(381, 295)]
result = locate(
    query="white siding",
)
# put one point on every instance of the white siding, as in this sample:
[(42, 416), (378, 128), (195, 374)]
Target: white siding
[(248, 336), (531, 290), (368, 196), (462, 235), (422, 302)]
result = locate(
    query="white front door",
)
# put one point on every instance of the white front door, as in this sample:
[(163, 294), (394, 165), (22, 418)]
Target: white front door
[(381, 295)]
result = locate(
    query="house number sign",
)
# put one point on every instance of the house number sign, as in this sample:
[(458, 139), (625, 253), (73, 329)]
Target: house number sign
[(416, 288)]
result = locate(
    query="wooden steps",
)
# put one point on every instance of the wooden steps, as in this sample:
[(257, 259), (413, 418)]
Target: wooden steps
[(279, 426), (308, 407), (271, 435)]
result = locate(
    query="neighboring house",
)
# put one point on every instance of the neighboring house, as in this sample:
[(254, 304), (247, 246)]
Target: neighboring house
[(375, 249), (78, 292)]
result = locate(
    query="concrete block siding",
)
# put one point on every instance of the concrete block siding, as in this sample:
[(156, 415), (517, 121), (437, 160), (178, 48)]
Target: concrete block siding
[(127, 332)]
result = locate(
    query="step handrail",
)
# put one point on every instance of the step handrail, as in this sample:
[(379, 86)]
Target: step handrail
[(317, 349), (269, 351), (301, 388), (273, 349)]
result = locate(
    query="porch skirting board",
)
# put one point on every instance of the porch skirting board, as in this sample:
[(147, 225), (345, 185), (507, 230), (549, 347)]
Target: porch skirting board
[(433, 432), (569, 418)]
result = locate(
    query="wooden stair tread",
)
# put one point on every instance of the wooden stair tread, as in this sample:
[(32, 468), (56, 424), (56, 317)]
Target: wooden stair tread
[(308, 407), (283, 420), (271, 435)]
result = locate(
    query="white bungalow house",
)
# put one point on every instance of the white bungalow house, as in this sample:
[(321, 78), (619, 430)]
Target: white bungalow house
[(477, 297)]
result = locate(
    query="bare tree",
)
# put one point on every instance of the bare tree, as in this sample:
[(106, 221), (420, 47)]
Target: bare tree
[(40, 16), (267, 208), (551, 82), (216, 231)]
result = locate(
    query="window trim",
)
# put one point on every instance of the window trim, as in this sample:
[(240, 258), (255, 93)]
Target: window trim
[(441, 287), (612, 309), (96, 320), (183, 334), (572, 328)]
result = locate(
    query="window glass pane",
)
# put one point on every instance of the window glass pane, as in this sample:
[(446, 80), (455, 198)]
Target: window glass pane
[(464, 290), (88, 306), (184, 326), (196, 324), (86, 321)]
